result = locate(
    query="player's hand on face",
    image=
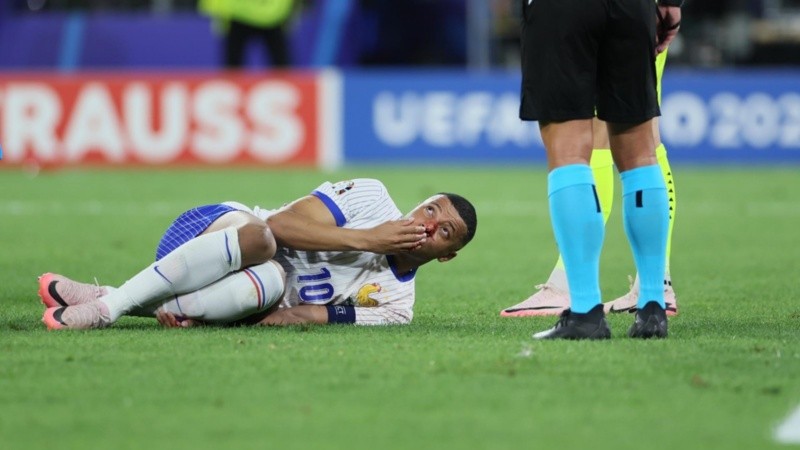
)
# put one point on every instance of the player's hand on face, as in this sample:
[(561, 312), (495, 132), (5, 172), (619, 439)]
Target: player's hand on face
[(668, 24), (396, 236), (169, 320)]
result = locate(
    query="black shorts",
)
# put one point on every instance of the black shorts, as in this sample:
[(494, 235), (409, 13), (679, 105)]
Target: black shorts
[(585, 56)]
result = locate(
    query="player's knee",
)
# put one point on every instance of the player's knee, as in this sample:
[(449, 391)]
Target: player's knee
[(257, 243)]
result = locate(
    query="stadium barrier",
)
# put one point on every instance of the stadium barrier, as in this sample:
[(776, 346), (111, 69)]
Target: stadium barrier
[(328, 117)]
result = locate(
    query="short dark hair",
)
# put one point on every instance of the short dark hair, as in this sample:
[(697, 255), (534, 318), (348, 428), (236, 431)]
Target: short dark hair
[(467, 213)]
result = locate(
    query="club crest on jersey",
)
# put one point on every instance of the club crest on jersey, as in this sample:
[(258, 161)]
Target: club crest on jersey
[(363, 296), (343, 186)]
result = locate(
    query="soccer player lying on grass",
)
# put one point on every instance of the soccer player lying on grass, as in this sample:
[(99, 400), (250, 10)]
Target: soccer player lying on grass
[(343, 254)]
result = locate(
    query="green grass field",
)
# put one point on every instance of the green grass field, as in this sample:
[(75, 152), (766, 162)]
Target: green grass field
[(458, 377)]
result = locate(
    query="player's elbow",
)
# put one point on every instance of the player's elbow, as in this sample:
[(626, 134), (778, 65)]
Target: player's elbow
[(404, 319), (398, 317), (276, 226), (404, 316)]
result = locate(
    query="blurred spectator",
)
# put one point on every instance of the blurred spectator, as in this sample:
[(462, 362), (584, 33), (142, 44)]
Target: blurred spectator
[(243, 20), (34, 33)]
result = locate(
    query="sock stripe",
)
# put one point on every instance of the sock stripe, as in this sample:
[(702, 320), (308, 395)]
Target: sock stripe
[(596, 199), (228, 249), (259, 286), (639, 201), (178, 304)]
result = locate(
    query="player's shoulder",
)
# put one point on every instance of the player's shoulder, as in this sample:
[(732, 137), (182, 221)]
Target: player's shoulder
[(369, 183), (359, 185)]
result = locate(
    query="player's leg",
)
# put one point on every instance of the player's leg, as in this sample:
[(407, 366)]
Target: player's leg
[(645, 214), (57, 290), (200, 247), (563, 101), (255, 288), (577, 221), (234, 297), (666, 170), (276, 46), (663, 161), (629, 301), (575, 209), (627, 101), (235, 44), (552, 297)]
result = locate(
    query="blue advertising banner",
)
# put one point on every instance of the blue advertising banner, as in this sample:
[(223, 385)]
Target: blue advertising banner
[(462, 117), (436, 117), (737, 116)]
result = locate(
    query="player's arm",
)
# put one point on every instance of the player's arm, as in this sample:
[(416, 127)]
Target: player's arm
[(321, 314), (669, 21), (308, 314), (308, 224), (298, 315)]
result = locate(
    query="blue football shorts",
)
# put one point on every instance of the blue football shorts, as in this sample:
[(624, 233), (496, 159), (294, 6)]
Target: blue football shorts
[(188, 226)]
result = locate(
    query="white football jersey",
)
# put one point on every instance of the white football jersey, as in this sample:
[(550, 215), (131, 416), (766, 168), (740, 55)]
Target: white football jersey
[(367, 281)]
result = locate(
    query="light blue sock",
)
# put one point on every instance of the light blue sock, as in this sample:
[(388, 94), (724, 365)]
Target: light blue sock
[(645, 215), (578, 226)]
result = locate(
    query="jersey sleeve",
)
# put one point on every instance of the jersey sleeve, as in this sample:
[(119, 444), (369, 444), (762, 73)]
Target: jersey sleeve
[(384, 315), (357, 199), (385, 302)]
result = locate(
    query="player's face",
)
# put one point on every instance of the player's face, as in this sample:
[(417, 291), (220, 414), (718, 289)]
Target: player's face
[(445, 228)]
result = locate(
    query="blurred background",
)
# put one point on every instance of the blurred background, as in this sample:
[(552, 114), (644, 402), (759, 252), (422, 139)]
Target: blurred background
[(437, 79), (88, 34), (63, 34)]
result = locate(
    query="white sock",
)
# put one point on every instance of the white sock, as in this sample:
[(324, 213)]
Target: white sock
[(234, 297), (195, 264)]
